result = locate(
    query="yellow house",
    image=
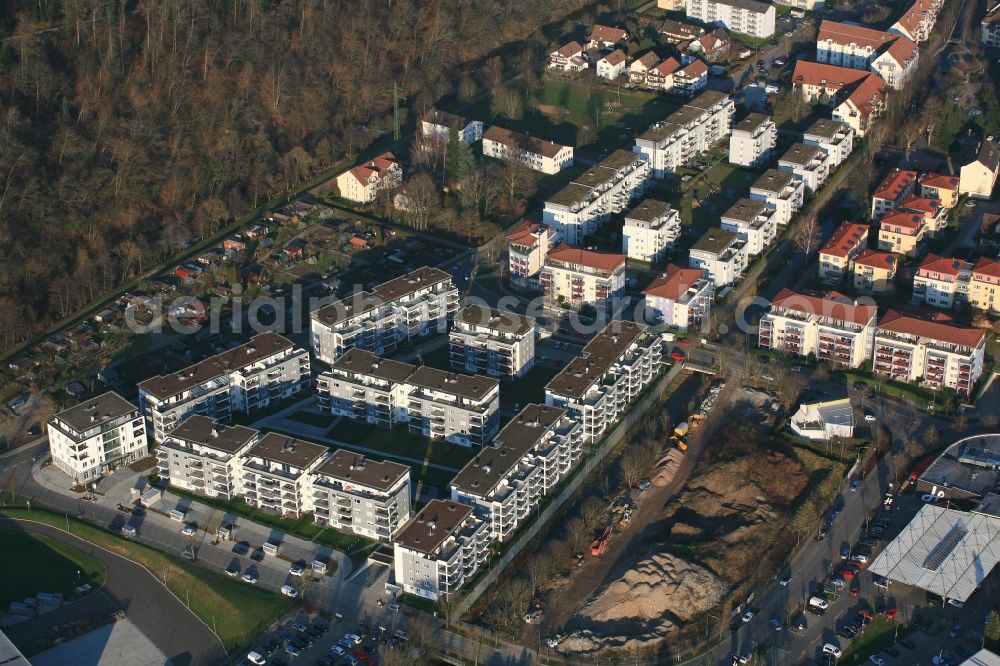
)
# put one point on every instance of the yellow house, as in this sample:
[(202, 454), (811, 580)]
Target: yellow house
[(873, 271), (902, 233), (984, 285), (847, 241), (940, 187)]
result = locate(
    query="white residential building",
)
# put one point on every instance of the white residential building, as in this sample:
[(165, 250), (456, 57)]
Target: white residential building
[(722, 255), (752, 140), (605, 37), (857, 97), (525, 462), (597, 387), (568, 58), (830, 326), (97, 436), (686, 133), (918, 21), (203, 456), (679, 297), (782, 191), (608, 187), (753, 221), (276, 471), (809, 163), (365, 181), (414, 305), (438, 125), (580, 277), (650, 230), (834, 137), (891, 55), (528, 243), (246, 379), (689, 79), (613, 65), (488, 341), (897, 185), (747, 17), (546, 156), (942, 282)]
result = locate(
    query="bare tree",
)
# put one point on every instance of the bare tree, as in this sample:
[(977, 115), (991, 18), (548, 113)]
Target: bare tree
[(577, 534), (509, 102), (516, 178), (591, 510), (931, 436), (807, 234), (632, 466)]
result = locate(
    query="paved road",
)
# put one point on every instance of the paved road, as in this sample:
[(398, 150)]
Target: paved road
[(174, 629)]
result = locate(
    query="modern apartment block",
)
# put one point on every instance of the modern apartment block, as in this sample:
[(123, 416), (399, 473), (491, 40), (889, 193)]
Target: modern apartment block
[(579, 277), (97, 436), (747, 17), (873, 272), (722, 255), (809, 163), (363, 387), (528, 243), (244, 380), (488, 341), (942, 282), (614, 367), (782, 191), (438, 125), (608, 187), (939, 186), (902, 233), (679, 297), (753, 221), (848, 241), (528, 458), (930, 350), (440, 549), (650, 230), (897, 185), (203, 456), (752, 140), (414, 305), (352, 493), (548, 157), (686, 133), (857, 97), (276, 473), (834, 137), (893, 56), (830, 326)]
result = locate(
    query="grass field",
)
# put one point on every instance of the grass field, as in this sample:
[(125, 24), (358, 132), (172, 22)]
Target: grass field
[(879, 635), (34, 563), (529, 388), (399, 442), (312, 419), (235, 611)]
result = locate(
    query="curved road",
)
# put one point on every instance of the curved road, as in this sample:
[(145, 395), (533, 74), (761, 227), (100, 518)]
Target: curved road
[(129, 587)]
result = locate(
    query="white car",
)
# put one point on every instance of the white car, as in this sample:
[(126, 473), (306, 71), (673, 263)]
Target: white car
[(189, 530), (877, 660), (255, 658), (819, 602), (869, 418), (296, 570), (860, 559), (249, 578), (289, 591), (354, 638), (748, 616), (830, 648)]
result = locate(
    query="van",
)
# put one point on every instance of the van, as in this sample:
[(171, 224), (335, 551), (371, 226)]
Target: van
[(129, 532)]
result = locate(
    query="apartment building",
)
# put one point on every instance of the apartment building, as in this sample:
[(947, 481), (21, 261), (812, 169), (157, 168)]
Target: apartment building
[(488, 341), (661, 75), (809, 163), (902, 233), (830, 325), (686, 133), (411, 306), (440, 549), (568, 58), (753, 221), (929, 349), (639, 68), (690, 78), (942, 187), (548, 157), (605, 37), (752, 140), (897, 185), (857, 97), (835, 138), (203, 456), (893, 56), (898, 63), (606, 188), (276, 473), (580, 277), (363, 183), (934, 214), (942, 282), (650, 230), (984, 287), (722, 255), (918, 21), (352, 493), (527, 244), (747, 17), (807, 5), (989, 27), (873, 272), (613, 65), (978, 175), (782, 191), (679, 297), (366, 388), (597, 387), (507, 480), (848, 241), (246, 379), (97, 436), (438, 125)]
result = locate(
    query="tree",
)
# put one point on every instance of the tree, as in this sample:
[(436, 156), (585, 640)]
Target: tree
[(807, 234), (577, 534), (508, 102), (992, 628), (516, 179), (538, 569), (591, 511), (459, 158), (990, 421), (932, 436), (422, 201), (467, 89), (961, 423), (632, 466)]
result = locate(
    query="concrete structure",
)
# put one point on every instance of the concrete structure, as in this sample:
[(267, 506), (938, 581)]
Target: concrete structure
[(203, 456), (824, 420), (363, 183), (438, 125), (848, 241), (493, 342), (96, 436), (782, 191), (352, 493), (753, 221), (966, 470), (650, 230), (613, 65), (583, 277), (528, 243), (411, 306), (873, 272), (722, 255), (831, 326), (545, 156), (809, 163), (857, 97), (752, 140), (679, 297), (834, 137), (686, 133), (244, 380), (897, 186), (275, 473), (978, 176), (748, 17)]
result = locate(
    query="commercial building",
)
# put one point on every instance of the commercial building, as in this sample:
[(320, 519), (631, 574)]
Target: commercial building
[(276, 472), (752, 140), (829, 325), (203, 456), (365, 181), (978, 176), (597, 387), (848, 241), (873, 272), (722, 255), (902, 233), (679, 297), (686, 133), (97, 436), (528, 243), (897, 186), (969, 469), (414, 305), (808, 163), (579, 208), (834, 137), (579, 277), (753, 221), (782, 191), (438, 125), (650, 230), (352, 493), (488, 341), (747, 17), (824, 420), (930, 350), (857, 97), (246, 379), (546, 156)]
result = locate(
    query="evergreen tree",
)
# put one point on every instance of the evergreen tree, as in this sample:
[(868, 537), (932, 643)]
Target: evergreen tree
[(992, 628), (460, 161)]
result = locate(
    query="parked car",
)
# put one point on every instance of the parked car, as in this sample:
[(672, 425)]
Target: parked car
[(233, 571), (830, 648), (296, 569), (289, 591), (189, 530), (747, 616), (249, 578)]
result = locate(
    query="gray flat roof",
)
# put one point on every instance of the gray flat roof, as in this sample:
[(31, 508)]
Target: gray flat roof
[(364, 362), (404, 285), (500, 320), (745, 209), (825, 128), (648, 210), (773, 180), (751, 122), (350, 467), (619, 159), (95, 411), (200, 429), (475, 387), (597, 357), (800, 153), (287, 450), (432, 526), (749, 5), (569, 195), (715, 241), (707, 99), (969, 464)]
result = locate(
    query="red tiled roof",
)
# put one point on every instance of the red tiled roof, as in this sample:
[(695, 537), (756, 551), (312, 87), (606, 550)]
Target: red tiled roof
[(868, 95), (927, 206), (986, 266), (943, 329), (845, 33), (914, 16), (876, 259), (667, 67), (524, 233), (894, 184), (695, 70), (934, 263), (845, 238), (363, 172), (616, 57), (909, 221), (602, 261), (829, 76), (570, 50), (674, 282), (902, 50), (824, 305), (940, 181), (603, 33)]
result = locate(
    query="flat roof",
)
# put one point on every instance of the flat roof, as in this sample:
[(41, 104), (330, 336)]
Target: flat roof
[(570, 194), (969, 465), (364, 301), (749, 5), (745, 209), (751, 122), (984, 657), (597, 357), (715, 241), (432, 526), (648, 210), (773, 180), (481, 475), (800, 153), (619, 159), (287, 450), (825, 128), (204, 430), (475, 387), (96, 411), (505, 321), (364, 362), (350, 467)]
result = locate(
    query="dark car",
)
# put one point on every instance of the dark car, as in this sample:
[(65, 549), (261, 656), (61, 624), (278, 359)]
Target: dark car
[(907, 643), (257, 555), (241, 548), (321, 627), (891, 651)]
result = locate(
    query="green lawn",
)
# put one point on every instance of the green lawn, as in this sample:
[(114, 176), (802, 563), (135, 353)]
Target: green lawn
[(235, 611), (312, 418), (879, 635), (529, 388), (399, 442), (34, 563)]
